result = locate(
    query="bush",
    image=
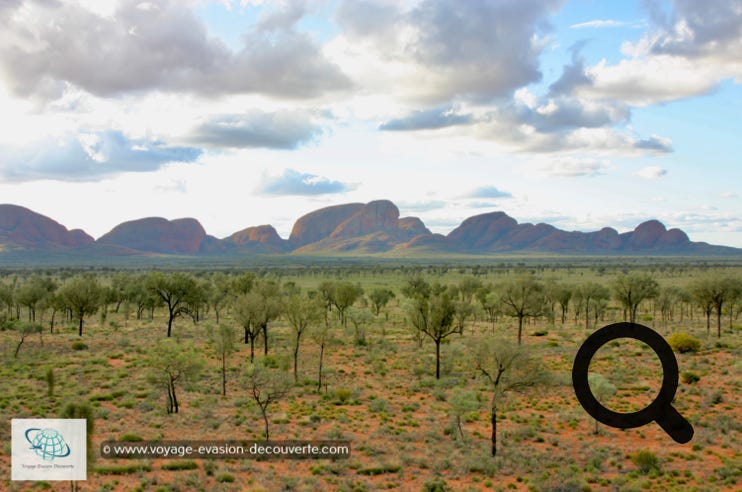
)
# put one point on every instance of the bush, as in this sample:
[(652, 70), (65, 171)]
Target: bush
[(180, 465), (645, 460), (690, 377), (78, 345), (225, 478), (436, 485), (682, 343)]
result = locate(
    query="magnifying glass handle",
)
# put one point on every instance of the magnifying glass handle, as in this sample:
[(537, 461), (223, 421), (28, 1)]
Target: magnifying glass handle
[(675, 425)]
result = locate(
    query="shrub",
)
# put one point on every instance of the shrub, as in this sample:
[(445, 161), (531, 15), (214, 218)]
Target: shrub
[(436, 485), (690, 377), (343, 395), (682, 343), (180, 465), (78, 345), (225, 478), (645, 460), (130, 438)]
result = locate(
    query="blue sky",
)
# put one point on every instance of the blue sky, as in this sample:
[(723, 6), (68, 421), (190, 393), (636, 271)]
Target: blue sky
[(579, 113)]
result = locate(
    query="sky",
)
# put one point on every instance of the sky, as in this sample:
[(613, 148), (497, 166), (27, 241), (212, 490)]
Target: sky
[(579, 113)]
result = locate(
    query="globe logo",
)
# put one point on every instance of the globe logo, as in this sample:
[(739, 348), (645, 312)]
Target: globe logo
[(47, 443)]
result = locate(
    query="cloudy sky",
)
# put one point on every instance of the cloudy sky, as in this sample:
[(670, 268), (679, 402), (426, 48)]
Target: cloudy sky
[(579, 113)]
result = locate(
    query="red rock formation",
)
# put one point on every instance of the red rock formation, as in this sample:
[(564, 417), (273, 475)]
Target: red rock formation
[(319, 224), (158, 235), (21, 227)]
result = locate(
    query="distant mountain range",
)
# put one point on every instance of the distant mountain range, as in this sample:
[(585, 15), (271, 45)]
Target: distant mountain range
[(353, 228)]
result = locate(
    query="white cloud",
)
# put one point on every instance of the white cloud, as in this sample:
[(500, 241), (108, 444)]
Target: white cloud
[(651, 172)]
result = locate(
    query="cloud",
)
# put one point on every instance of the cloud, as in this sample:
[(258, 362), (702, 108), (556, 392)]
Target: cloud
[(440, 50), (284, 130), (89, 157), (655, 143), (429, 119), (488, 192), (421, 206), (651, 172), (601, 23), (571, 167), (293, 182), (689, 51), (161, 48)]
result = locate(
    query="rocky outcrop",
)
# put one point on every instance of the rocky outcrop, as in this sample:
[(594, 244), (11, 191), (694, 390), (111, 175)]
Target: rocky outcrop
[(316, 226), (25, 229), (258, 239), (158, 235), (354, 228)]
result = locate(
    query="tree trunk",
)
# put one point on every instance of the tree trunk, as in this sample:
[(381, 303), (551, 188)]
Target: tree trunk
[(493, 437), (437, 358), (175, 398), (265, 338), (169, 325), (265, 419), (224, 373), (79, 329), (252, 348), (520, 328), (321, 356), (718, 322), (296, 358)]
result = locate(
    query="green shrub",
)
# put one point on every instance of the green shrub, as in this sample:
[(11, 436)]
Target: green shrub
[(127, 469), (343, 395), (436, 485), (130, 438), (682, 343), (78, 345), (225, 478), (645, 460), (690, 377), (180, 465)]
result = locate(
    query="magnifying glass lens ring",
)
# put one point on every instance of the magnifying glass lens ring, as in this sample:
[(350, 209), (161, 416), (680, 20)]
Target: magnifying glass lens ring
[(593, 344)]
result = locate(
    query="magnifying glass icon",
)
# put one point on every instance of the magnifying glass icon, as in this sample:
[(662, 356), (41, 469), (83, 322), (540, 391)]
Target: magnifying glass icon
[(660, 410)]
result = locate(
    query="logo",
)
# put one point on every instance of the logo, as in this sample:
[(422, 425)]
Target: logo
[(47, 443), (660, 410), (48, 449)]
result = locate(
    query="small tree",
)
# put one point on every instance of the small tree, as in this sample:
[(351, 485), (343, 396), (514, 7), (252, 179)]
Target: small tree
[(301, 312), (601, 389), (176, 290), (630, 290), (224, 345), (521, 298), (592, 294), (462, 401), (82, 295), (345, 295), (506, 367), (172, 364), (322, 335), (266, 386), (360, 318), (431, 312), (379, 298)]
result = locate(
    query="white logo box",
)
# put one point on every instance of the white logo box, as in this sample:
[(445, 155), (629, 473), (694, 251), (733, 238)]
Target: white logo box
[(48, 449)]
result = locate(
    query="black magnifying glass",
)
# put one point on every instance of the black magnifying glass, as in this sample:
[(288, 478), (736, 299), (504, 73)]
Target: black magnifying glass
[(660, 410)]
